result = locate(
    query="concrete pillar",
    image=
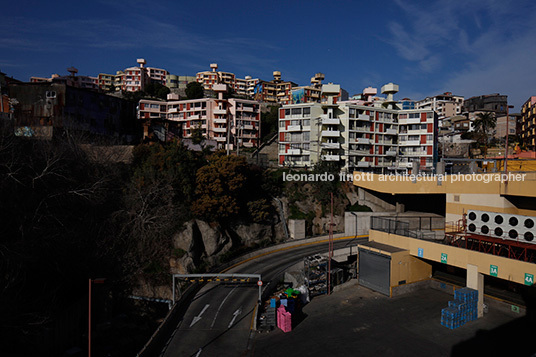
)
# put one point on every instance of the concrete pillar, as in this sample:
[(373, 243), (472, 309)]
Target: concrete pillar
[(475, 280)]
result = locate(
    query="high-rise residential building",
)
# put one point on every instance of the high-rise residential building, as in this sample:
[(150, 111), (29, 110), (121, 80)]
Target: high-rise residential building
[(233, 122), (240, 86), (275, 91), (528, 123), (446, 105), (360, 134), (135, 79)]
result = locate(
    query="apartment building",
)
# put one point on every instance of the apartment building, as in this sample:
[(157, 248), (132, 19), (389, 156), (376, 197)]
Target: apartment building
[(528, 123), (72, 80), (358, 134), (240, 86), (229, 122), (180, 82), (446, 105), (275, 91), (495, 103)]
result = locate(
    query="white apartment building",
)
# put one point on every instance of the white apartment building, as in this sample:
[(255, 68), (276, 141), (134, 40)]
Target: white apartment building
[(446, 105), (229, 122), (361, 137), (240, 86)]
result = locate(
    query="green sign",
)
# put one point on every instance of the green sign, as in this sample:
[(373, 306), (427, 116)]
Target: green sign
[(493, 270), (515, 308), (529, 279), (444, 258)]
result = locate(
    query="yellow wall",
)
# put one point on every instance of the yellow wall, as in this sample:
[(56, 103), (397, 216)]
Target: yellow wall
[(408, 268), (508, 269), (463, 192)]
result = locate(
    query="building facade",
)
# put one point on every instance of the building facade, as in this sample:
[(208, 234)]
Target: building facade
[(230, 122), (240, 86), (528, 123), (445, 105), (375, 138)]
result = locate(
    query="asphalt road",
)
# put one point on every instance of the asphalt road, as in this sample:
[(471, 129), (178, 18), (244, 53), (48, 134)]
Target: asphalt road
[(219, 319)]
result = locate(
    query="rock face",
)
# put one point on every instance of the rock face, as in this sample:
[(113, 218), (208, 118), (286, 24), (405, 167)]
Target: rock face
[(207, 242)]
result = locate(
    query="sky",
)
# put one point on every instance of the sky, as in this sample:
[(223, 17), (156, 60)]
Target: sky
[(427, 47)]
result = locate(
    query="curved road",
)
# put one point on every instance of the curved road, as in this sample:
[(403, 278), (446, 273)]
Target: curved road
[(219, 319)]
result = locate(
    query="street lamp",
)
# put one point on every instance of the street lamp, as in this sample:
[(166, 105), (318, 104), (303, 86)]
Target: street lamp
[(506, 143), (96, 281)]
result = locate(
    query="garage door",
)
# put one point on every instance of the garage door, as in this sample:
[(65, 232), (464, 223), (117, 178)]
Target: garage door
[(375, 271)]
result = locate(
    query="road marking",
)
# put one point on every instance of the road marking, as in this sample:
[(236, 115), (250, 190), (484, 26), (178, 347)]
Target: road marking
[(235, 314), (219, 308), (198, 317), (198, 352)]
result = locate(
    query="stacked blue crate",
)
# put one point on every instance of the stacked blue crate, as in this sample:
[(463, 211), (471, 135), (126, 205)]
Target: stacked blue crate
[(461, 310)]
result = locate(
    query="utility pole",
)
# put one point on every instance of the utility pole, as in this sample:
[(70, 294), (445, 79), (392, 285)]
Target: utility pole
[(506, 144), (330, 252)]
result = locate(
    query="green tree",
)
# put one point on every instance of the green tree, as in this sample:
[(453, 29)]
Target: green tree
[(194, 90), (157, 90), (483, 124), (269, 122), (219, 187)]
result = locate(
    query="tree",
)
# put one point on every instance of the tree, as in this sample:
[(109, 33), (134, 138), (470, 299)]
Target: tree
[(269, 121), (194, 90), (157, 90), (484, 122)]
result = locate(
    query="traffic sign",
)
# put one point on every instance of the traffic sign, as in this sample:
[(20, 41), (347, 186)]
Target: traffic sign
[(529, 279), (259, 283), (444, 258), (493, 270), (420, 252)]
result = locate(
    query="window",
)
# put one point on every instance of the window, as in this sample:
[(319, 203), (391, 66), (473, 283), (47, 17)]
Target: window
[(306, 136), (307, 122), (296, 111), (306, 111), (51, 94), (287, 112), (281, 124)]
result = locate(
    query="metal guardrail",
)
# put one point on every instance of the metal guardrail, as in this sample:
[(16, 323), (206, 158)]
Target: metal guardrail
[(410, 226)]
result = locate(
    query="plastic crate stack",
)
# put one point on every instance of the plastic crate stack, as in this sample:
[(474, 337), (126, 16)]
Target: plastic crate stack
[(461, 310)]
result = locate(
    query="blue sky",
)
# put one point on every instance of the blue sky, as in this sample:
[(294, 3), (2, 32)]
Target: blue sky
[(470, 48)]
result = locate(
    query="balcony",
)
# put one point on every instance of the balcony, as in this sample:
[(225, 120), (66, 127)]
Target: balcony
[(405, 164), (363, 117), (193, 117), (331, 157), (363, 164), (247, 109), (220, 121), (329, 121), (220, 130), (248, 127), (173, 110), (410, 143), (331, 145), (294, 128), (362, 141), (358, 152), (391, 131), (218, 111), (294, 152), (220, 139), (390, 153), (330, 133)]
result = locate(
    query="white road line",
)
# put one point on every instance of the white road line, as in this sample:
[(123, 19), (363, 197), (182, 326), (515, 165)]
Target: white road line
[(198, 317), (198, 352), (219, 308), (235, 314)]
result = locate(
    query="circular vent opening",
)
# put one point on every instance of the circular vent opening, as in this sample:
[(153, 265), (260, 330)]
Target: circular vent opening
[(529, 236), (472, 216), (529, 223), (512, 234), (498, 231), (484, 229), (499, 219), (472, 227), (485, 217), (513, 221)]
